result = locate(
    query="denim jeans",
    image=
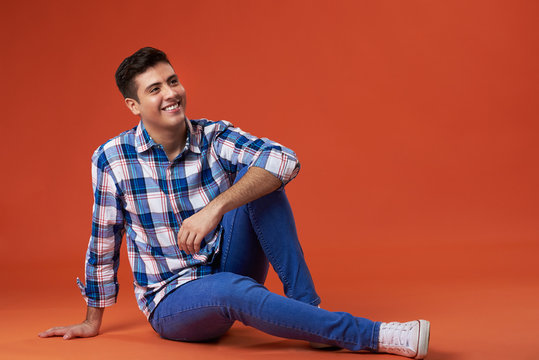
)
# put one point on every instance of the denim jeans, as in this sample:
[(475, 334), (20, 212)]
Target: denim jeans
[(262, 230)]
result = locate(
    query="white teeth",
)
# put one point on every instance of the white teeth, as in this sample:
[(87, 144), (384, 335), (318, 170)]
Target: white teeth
[(172, 107)]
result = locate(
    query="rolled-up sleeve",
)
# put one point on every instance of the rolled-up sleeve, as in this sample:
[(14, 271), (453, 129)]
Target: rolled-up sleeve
[(236, 149), (103, 254)]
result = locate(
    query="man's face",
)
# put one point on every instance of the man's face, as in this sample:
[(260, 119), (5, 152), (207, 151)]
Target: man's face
[(161, 102)]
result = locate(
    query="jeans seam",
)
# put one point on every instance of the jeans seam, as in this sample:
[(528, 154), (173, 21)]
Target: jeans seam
[(347, 341), (298, 329), (316, 301), (268, 252), (194, 307), (224, 256)]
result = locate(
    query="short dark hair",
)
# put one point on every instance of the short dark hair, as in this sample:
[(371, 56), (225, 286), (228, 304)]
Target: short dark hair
[(136, 64)]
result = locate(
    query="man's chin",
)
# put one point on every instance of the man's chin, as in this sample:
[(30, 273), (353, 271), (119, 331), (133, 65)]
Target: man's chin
[(166, 123), (173, 117)]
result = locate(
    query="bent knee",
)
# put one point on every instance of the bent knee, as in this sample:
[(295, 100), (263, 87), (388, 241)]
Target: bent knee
[(195, 325)]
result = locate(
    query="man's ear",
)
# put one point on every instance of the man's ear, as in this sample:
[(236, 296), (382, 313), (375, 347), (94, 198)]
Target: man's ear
[(132, 105)]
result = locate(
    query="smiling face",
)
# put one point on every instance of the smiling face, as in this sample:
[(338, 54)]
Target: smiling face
[(161, 99)]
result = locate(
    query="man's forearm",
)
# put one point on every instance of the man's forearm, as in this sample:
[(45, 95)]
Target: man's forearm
[(256, 183)]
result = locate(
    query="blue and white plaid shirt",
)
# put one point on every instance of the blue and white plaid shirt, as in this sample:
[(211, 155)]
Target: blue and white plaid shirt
[(139, 192)]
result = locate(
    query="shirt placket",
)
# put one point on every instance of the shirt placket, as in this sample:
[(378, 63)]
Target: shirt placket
[(169, 173)]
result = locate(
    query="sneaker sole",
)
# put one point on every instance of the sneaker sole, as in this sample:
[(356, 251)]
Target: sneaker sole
[(424, 337)]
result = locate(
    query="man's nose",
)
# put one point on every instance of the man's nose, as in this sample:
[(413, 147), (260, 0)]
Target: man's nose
[(170, 92)]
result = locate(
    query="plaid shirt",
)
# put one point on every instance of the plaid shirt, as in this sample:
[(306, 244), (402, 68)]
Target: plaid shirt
[(139, 192)]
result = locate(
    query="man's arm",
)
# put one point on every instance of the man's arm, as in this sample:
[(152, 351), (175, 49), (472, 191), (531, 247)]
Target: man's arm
[(87, 328), (102, 255), (256, 183)]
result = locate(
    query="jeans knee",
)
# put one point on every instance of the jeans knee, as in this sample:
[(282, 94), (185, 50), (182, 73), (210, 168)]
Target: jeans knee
[(196, 325)]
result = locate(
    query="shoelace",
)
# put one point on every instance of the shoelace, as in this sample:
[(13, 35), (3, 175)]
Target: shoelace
[(395, 334)]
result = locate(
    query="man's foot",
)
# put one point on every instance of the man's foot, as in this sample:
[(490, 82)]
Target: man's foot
[(409, 339)]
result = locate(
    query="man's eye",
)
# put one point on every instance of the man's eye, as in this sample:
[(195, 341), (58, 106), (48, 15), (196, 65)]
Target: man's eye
[(155, 89), (174, 82)]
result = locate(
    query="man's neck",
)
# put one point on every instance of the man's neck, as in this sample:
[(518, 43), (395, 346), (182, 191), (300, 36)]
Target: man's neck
[(172, 139)]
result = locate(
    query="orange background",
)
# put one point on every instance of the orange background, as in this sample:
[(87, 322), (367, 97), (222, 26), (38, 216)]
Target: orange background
[(415, 123)]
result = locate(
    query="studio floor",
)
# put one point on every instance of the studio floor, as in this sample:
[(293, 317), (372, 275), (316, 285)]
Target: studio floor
[(485, 308)]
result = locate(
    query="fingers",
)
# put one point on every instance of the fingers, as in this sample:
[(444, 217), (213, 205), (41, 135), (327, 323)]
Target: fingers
[(55, 331), (189, 241), (194, 229), (196, 243), (182, 237), (70, 332)]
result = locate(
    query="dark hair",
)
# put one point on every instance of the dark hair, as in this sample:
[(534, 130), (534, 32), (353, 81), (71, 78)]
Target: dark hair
[(136, 64)]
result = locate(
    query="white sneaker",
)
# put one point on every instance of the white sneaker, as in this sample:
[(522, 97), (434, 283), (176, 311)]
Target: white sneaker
[(409, 339)]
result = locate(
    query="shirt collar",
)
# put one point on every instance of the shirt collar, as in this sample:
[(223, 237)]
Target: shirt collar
[(143, 140)]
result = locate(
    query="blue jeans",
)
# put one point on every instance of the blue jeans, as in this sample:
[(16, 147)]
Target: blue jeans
[(262, 230)]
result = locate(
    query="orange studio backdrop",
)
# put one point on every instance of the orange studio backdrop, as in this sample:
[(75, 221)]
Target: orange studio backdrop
[(415, 122)]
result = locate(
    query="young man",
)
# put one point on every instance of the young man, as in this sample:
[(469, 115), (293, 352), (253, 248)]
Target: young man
[(203, 209)]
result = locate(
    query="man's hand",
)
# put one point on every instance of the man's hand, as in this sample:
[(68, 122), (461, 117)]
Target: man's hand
[(88, 328), (196, 227), (84, 329)]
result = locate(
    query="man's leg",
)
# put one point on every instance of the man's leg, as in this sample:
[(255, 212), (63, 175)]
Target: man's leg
[(204, 309), (265, 229)]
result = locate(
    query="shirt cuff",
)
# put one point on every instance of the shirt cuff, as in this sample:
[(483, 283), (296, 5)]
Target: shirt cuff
[(95, 302), (283, 166)]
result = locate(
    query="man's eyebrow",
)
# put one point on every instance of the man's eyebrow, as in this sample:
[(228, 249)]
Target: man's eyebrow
[(171, 77)]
